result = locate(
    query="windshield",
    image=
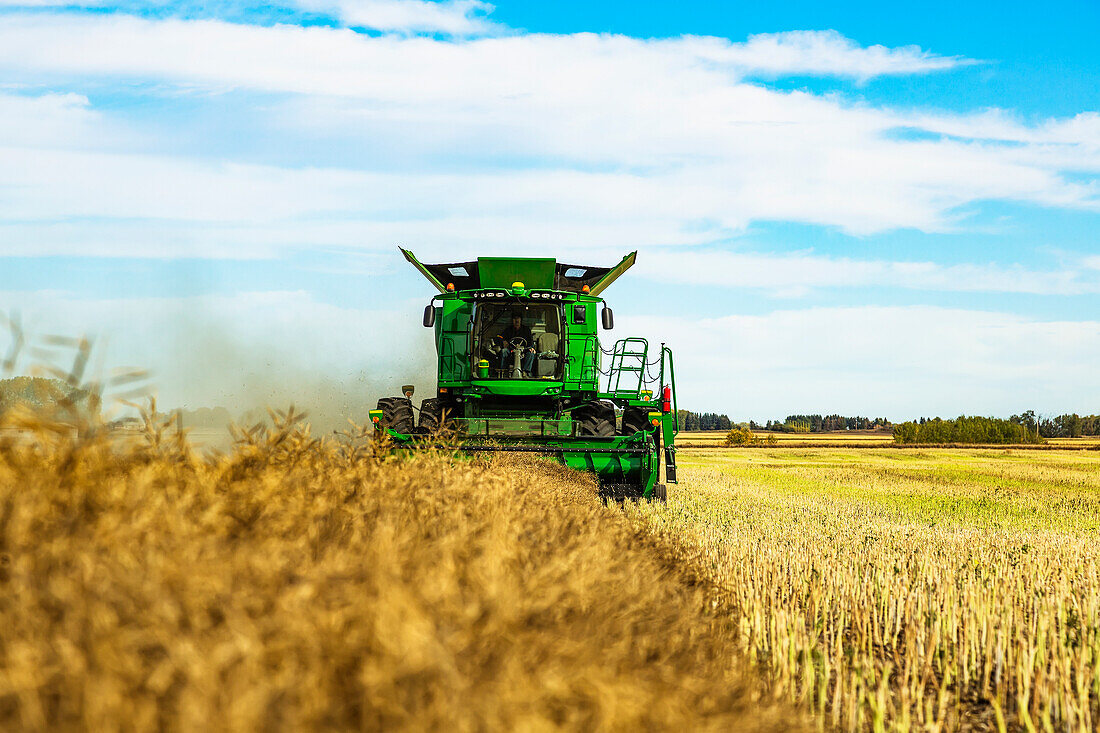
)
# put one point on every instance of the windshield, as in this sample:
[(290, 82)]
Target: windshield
[(517, 341)]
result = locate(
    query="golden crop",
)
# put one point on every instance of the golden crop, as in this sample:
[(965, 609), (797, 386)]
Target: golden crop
[(294, 584), (906, 590)]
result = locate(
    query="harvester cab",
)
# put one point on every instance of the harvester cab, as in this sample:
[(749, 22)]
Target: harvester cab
[(521, 368)]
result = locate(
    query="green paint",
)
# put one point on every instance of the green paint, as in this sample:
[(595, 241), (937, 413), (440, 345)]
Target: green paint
[(491, 405), (501, 272)]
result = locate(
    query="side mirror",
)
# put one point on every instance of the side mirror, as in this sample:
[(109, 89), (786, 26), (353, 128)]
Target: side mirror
[(429, 316), (608, 318), (579, 313)]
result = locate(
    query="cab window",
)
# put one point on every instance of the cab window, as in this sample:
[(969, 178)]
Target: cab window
[(518, 341)]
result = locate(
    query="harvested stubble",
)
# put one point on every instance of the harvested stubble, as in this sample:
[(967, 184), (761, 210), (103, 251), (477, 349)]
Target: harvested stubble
[(920, 590), (294, 585)]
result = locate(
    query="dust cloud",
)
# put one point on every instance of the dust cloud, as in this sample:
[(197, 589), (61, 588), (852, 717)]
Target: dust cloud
[(220, 357)]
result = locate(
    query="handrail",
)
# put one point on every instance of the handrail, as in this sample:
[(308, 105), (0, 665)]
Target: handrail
[(672, 383), (447, 360), (590, 367), (620, 353)]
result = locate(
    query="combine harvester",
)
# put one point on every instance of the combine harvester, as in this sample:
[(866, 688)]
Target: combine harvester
[(521, 368)]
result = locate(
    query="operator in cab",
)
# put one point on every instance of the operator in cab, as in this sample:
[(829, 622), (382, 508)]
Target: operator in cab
[(517, 337)]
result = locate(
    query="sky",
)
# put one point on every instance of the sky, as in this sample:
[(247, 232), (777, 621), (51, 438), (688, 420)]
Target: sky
[(837, 208)]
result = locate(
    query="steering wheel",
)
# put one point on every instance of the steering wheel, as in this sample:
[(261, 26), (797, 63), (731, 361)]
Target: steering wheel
[(522, 342)]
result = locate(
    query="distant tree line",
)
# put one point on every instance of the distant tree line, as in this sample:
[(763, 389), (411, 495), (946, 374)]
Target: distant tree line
[(985, 429), (688, 420), (1062, 426), (821, 424), (965, 429)]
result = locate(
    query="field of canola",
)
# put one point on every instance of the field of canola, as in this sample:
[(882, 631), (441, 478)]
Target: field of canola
[(906, 589)]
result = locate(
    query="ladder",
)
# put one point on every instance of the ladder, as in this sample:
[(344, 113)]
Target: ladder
[(626, 374)]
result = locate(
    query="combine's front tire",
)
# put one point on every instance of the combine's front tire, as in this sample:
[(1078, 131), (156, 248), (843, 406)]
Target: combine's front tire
[(397, 413), (635, 419), (595, 419), (432, 420), (659, 493)]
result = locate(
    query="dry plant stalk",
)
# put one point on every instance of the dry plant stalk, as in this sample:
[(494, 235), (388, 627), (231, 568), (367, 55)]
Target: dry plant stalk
[(301, 584)]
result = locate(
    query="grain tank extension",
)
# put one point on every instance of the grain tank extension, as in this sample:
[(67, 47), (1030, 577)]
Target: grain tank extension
[(521, 368)]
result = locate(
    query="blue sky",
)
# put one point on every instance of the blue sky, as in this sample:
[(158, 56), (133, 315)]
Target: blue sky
[(838, 208)]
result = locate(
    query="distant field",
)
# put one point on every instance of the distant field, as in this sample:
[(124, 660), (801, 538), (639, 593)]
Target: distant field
[(718, 437), (855, 438), (906, 589)]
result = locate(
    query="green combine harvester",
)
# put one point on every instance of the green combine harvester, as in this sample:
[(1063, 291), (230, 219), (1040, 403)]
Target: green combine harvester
[(521, 368)]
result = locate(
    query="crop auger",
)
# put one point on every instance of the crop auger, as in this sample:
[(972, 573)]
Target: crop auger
[(521, 369)]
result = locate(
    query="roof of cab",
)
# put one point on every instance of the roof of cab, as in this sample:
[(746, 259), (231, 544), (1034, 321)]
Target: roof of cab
[(534, 272)]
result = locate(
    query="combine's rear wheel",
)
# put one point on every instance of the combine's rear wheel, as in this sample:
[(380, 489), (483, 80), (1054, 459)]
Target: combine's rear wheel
[(397, 413), (595, 419), (432, 419), (635, 419)]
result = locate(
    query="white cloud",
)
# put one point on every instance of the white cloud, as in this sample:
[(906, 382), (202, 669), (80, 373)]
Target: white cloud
[(898, 362), (451, 17), (618, 141), (48, 3), (797, 274), (340, 62), (827, 53), (244, 207), (53, 120), (999, 125), (131, 204), (548, 141)]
